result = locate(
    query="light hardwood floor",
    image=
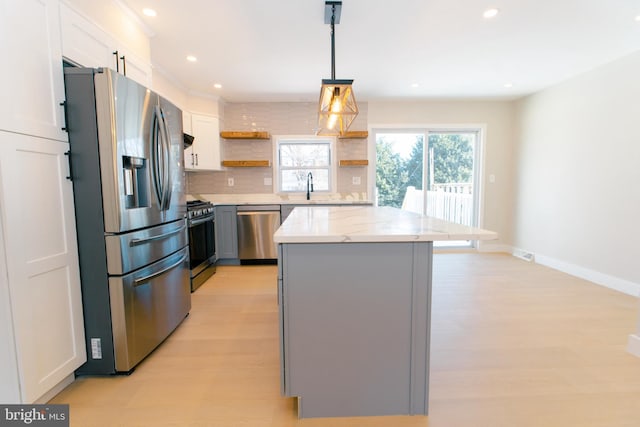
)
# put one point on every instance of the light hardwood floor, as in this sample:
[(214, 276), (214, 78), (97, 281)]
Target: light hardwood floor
[(513, 344)]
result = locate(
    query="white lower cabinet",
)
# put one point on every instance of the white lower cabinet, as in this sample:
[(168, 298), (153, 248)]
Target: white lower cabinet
[(42, 329), (204, 153)]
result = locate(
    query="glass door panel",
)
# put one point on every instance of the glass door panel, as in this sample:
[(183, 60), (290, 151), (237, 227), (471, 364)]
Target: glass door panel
[(451, 176), (399, 170), (438, 180)]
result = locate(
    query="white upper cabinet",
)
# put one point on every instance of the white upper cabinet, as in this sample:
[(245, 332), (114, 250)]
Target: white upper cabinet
[(204, 153), (82, 42), (85, 44), (42, 269), (31, 73)]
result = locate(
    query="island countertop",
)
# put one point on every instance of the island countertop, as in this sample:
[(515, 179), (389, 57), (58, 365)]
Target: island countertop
[(326, 224)]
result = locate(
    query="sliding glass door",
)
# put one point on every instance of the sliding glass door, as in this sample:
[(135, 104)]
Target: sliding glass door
[(438, 178)]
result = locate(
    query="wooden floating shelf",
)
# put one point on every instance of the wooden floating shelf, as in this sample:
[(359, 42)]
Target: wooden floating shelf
[(355, 134), (244, 135), (354, 163), (246, 163)]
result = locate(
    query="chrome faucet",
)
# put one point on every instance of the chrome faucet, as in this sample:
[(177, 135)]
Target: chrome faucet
[(309, 185)]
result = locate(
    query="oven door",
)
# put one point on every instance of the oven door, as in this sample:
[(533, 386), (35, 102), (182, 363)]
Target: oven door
[(202, 249)]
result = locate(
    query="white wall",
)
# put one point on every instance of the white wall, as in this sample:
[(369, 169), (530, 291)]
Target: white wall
[(577, 202), (202, 104), (169, 89), (498, 118), (174, 92)]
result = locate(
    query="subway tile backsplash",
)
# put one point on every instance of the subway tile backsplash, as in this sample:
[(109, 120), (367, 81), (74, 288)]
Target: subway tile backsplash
[(277, 118)]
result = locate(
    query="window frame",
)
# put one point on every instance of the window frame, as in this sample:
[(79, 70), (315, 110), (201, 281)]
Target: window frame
[(310, 139)]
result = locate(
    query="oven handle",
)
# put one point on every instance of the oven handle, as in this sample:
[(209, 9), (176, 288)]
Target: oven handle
[(138, 242), (194, 222), (145, 279)]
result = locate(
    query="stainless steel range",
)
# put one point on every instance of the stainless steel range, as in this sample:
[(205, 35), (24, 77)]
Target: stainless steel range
[(202, 241)]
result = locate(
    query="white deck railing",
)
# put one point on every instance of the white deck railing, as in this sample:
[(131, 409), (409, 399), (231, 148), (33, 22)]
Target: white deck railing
[(451, 202)]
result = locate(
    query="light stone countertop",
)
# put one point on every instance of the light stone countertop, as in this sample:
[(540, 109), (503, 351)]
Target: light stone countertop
[(331, 224), (282, 199)]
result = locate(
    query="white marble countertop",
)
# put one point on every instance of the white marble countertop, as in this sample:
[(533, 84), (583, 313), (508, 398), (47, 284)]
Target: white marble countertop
[(282, 199), (370, 224)]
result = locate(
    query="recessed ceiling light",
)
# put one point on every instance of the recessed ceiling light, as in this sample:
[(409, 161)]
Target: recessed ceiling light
[(191, 58), (638, 18), (149, 12), (415, 85), (217, 86), (490, 13), (508, 85)]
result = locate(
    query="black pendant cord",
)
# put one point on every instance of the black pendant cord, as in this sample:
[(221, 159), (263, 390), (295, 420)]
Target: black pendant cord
[(333, 42)]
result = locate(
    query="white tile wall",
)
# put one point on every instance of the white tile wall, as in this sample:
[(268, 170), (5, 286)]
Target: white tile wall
[(277, 118)]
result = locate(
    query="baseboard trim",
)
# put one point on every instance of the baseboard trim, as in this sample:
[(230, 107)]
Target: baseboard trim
[(56, 389), (612, 282), (487, 247), (633, 345)]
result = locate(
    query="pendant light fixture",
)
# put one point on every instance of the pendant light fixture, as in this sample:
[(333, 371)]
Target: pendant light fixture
[(337, 108)]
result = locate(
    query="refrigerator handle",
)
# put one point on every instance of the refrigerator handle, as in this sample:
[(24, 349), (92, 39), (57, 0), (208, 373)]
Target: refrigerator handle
[(146, 279), (138, 242), (166, 181), (155, 146)]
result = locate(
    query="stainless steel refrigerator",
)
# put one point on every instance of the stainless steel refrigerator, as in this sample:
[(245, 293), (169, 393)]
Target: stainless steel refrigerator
[(128, 181)]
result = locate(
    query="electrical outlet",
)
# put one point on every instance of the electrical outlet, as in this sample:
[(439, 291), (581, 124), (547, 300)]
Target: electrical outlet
[(355, 180), (230, 182), (492, 178), (96, 348), (268, 181)]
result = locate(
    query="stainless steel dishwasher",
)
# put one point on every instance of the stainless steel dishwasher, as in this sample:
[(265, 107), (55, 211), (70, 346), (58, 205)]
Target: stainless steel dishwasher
[(256, 225)]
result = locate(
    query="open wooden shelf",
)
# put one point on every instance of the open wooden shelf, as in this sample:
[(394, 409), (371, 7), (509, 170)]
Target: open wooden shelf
[(246, 163), (355, 134), (227, 134), (362, 162)]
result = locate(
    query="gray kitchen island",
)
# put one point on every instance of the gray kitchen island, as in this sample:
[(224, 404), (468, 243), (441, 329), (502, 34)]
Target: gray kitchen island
[(354, 296)]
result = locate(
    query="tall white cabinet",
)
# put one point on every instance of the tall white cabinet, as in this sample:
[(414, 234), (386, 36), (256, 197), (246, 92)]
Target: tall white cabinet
[(42, 280), (41, 321)]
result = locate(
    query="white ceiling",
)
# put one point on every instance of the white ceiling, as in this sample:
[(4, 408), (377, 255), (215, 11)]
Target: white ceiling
[(279, 50)]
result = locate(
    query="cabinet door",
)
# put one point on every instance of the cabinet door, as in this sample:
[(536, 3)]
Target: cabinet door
[(206, 145), (9, 382), (134, 68), (226, 232), (31, 72), (42, 261), (189, 157), (84, 44)]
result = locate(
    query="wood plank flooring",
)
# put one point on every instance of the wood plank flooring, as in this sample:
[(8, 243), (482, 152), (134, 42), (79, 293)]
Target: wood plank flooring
[(513, 344)]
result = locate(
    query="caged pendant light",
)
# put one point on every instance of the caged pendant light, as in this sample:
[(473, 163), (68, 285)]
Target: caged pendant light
[(337, 108)]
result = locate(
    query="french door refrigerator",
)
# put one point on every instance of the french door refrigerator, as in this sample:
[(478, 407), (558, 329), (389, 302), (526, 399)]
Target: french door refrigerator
[(128, 181)]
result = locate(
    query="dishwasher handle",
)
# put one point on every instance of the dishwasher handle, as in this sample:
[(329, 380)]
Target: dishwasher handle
[(248, 213), (258, 208)]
